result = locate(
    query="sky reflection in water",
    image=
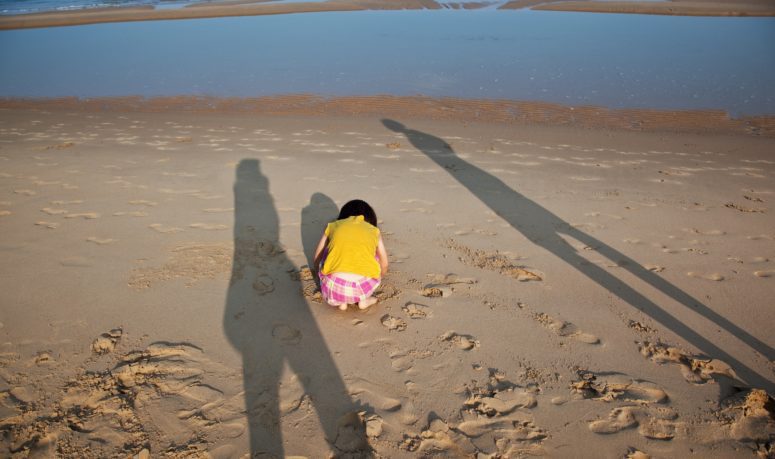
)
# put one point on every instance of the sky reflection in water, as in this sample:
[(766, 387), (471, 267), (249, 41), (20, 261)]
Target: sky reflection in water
[(613, 60)]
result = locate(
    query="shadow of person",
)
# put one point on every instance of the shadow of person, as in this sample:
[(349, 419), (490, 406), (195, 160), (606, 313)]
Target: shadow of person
[(320, 211), (268, 321), (544, 229)]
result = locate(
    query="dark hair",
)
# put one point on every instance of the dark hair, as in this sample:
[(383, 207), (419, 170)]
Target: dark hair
[(358, 207)]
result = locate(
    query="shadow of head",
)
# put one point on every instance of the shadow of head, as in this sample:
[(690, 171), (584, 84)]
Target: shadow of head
[(393, 125), (248, 169)]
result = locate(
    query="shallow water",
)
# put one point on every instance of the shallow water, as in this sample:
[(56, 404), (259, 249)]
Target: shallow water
[(618, 61)]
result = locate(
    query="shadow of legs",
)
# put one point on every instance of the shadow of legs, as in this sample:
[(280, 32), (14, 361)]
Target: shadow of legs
[(543, 228), (268, 321)]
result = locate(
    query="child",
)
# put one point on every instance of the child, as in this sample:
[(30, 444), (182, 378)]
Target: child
[(351, 257)]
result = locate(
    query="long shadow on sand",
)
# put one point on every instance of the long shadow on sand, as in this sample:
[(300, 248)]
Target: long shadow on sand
[(544, 229), (269, 322)]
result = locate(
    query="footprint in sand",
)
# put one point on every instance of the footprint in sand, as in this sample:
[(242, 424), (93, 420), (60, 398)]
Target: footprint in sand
[(416, 310), (442, 285), (106, 342), (386, 291), (616, 386), (393, 323), (618, 419), (435, 291), (707, 276), (286, 334), (694, 370), (749, 417), (509, 436), (656, 424), (49, 225), (401, 361), (464, 342), (263, 284), (495, 422), (765, 274), (565, 329), (374, 394)]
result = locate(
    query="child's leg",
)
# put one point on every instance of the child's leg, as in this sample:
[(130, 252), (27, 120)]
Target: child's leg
[(368, 289), (327, 292), (366, 302)]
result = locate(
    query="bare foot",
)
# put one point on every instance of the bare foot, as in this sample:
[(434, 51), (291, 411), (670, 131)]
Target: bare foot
[(366, 302), (343, 307)]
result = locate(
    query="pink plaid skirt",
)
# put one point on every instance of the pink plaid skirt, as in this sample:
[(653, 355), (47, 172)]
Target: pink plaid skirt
[(339, 291)]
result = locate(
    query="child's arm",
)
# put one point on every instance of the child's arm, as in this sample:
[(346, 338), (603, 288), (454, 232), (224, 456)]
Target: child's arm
[(319, 253), (382, 255)]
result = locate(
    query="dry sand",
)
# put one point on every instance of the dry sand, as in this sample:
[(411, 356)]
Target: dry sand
[(263, 7), (553, 291)]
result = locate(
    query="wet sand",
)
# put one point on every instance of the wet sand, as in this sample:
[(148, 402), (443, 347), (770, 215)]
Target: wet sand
[(554, 282), (504, 112), (248, 8)]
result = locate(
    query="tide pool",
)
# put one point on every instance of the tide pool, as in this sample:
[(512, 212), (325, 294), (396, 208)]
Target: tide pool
[(617, 61)]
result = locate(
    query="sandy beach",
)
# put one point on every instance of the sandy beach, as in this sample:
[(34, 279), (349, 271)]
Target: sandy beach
[(557, 287)]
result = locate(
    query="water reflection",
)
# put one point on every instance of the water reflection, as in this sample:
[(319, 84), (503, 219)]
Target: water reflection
[(618, 61)]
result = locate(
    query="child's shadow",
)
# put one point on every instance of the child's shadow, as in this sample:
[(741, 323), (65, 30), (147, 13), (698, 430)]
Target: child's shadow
[(320, 211), (268, 321)]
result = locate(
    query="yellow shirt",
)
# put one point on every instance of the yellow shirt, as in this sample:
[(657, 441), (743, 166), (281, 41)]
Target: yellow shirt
[(352, 247)]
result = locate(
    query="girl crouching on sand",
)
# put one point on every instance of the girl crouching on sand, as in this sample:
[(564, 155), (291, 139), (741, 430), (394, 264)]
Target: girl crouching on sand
[(351, 257)]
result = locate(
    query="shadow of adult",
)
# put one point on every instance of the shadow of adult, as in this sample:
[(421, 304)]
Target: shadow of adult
[(544, 229), (268, 321)]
